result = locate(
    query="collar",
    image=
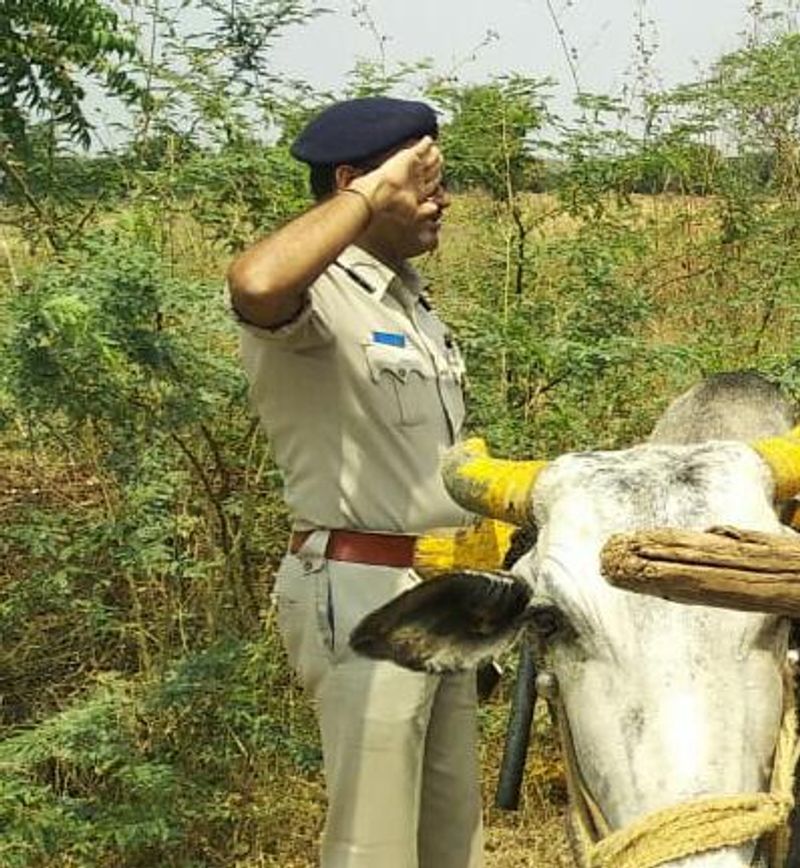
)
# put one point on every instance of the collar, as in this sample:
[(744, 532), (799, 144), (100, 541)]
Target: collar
[(406, 281)]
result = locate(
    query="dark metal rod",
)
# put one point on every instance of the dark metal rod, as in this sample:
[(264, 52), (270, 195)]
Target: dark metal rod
[(518, 732)]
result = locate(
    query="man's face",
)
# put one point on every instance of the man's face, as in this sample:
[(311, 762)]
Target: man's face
[(409, 239)]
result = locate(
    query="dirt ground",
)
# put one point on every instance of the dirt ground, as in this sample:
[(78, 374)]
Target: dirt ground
[(535, 834), (533, 837)]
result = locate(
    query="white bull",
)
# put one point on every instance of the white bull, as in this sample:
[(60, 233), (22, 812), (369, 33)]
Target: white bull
[(671, 713)]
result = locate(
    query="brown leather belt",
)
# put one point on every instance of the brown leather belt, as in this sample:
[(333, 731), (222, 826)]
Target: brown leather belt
[(358, 547)]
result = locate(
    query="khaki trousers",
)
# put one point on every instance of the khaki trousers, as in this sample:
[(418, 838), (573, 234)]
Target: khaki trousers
[(399, 747)]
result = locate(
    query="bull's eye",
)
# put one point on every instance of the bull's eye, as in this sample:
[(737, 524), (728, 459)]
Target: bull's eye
[(546, 621)]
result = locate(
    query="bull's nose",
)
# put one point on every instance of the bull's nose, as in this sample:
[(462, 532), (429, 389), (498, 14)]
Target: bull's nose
[(728, 857)]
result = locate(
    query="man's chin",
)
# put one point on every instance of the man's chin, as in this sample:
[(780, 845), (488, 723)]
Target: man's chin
[(429, 241)]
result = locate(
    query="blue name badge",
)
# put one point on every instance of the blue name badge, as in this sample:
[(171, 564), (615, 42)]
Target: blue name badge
[(390, 339)]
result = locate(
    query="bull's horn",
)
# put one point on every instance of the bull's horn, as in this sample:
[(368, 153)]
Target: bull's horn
[(490, 486), (782, 454)]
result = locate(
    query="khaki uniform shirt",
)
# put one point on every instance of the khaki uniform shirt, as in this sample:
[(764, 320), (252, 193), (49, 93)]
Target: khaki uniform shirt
[(360, 395)]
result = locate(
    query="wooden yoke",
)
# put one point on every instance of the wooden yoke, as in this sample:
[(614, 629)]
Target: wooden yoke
[(725, 567)]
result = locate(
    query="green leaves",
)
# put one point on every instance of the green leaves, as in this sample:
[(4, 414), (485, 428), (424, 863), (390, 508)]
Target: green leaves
[(486, 135), (152, 772), (81, 783), (46, 46), (106, 337), (149, 715)]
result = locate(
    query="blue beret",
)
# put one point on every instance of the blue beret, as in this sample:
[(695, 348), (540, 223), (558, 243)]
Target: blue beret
[(352, 131)]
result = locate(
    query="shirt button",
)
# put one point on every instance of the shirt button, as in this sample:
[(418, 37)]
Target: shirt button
[(307, 564)]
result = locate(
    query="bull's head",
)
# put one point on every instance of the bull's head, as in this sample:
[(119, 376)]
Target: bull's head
[(662, 704)]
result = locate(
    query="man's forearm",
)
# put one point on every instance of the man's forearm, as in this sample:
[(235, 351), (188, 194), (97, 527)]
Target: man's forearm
[(268, 281)]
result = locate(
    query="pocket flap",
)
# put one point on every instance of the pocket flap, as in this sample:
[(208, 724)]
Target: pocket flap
[(400, 362)]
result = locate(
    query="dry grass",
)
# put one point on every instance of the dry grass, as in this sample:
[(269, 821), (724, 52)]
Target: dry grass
[(535, 834)]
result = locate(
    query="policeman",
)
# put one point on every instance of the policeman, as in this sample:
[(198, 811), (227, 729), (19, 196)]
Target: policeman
[(358, 385)]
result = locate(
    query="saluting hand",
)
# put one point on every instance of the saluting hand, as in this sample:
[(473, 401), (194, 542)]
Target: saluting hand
[(407, 184)]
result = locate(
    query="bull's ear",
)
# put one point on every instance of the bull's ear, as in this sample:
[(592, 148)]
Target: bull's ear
[(446, 624)]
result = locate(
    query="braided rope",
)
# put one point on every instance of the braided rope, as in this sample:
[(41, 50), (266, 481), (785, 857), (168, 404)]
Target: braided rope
[(691, 828)]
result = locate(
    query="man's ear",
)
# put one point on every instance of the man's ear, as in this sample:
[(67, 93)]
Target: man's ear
[(345, 174)]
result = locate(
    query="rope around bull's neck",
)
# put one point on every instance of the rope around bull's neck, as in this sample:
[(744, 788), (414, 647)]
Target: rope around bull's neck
[(693, 827)]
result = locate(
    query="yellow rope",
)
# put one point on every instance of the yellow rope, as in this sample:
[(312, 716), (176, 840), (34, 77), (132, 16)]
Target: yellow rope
[(787, 753), (703, 824), (691, 828)]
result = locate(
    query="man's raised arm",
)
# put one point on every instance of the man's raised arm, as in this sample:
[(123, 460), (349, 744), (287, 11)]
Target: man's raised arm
[(268, 281)]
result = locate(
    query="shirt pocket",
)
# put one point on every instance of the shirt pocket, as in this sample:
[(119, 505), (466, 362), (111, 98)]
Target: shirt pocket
[(401, 373)]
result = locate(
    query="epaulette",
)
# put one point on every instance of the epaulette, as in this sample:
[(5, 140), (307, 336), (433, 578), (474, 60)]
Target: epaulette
[(355, 277), (425, 301)]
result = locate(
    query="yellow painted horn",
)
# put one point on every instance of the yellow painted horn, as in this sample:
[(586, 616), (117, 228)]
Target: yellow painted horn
[(490, 486), (782, 454)]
